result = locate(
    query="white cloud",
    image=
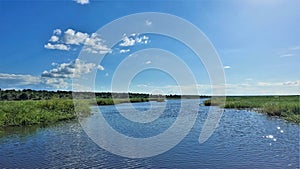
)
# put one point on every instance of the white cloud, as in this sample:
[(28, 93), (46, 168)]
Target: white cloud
[(148, 62), (227, 67), (20, 80), (291, 51), (100, 67), (82, 2), (287, 55), (148, 22), (57, 46), (58, 83), (127, 41), (74, 38), (142, 85), (73, 69), (134, 39), (54, 64), (292, 83), (70, 38), (124, 50), (15, 79), (57, 32), (54, 38), (268, 84), (94, 44)]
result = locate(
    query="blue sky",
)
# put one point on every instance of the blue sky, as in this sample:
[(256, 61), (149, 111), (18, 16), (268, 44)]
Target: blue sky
[(258, 43)]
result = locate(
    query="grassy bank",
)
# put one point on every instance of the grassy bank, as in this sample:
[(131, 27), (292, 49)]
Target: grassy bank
[(286, 107), (31, 112), (22, 113)]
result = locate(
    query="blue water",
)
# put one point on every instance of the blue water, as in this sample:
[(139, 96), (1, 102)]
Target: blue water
[(243, 139)]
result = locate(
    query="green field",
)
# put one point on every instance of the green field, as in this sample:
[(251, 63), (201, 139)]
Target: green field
[(286, 107)]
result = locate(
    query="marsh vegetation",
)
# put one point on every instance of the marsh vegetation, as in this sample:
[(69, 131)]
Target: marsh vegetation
[(30, 107), (286, 107)]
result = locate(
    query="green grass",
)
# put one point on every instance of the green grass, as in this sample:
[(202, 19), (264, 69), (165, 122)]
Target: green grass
[(31, 112), (286, 107), (22, 113)]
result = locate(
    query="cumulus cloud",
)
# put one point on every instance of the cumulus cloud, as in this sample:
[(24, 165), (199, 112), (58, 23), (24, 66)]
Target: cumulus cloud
[(133, 39), (73, 69), (94, 44), (57, 46), (58, 77), (82, 2), (54, 38), (227, 67), (71, 38), (127, 41), (57, 32), (148, 62)]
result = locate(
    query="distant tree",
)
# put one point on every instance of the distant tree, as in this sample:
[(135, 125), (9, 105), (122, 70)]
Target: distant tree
[(23, 96), (4, 97)]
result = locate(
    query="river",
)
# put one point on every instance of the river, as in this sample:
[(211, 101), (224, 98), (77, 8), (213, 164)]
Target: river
[(243, 139)]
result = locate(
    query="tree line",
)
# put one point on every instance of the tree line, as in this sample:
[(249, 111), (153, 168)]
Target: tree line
[(29, 94)]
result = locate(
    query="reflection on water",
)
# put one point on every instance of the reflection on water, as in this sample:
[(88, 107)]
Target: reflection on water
[(242, 140), (21, 132)]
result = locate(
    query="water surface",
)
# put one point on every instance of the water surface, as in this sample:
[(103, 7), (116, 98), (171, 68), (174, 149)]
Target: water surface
[(244, 139)]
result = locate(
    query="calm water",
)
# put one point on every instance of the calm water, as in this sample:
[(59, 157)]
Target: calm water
[(242, 140)]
